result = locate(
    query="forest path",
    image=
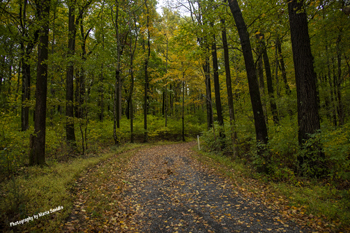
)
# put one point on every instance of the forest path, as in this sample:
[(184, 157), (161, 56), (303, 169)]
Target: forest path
[(167, 190)]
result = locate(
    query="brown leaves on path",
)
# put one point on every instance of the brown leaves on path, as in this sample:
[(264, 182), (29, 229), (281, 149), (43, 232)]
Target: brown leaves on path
[(163, 189), (171, 192)]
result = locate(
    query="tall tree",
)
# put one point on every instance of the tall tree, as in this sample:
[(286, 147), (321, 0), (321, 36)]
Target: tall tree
[(217, 87), (70, 133), (305, 77), (259, 119), (37, 150), (228, 85), (117, 84), (269, 81), (145, 110)]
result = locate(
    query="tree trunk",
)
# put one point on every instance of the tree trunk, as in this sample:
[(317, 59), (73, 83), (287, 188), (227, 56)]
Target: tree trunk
[(166, 87), (260, 64), (305, 77), (206, 68), (117, 84), (183, 106), (269, 84), (37, 150), (25, 93), (338, 86), (229, 88), (259, 119), (283, 67), (69, 80), (217, 90), (146, 75)]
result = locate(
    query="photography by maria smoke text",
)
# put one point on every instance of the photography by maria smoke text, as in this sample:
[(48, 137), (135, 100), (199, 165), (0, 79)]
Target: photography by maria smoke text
[(36, 216)]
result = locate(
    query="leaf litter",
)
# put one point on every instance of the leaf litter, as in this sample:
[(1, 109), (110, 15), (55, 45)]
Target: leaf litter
[(164, 189)]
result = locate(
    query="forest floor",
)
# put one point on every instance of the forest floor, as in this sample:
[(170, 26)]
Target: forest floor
[(164, 188)]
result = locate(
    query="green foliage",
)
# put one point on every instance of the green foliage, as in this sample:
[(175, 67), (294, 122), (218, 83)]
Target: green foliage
[(12, 144), (336, 147)]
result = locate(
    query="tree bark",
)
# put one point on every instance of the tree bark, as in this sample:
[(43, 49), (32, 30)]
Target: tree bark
[(117, 84), (206, 68), (283, 66), (260, 65), (70, 133), (217, 91), (305, 77), (339, 81), (259, 119), (229, 88), (146, 75), (37, 150), (217, 83), (270, 90)]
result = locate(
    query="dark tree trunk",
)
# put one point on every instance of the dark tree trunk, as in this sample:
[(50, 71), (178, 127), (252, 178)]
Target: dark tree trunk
[(183, 107), (70, 133), (81, 84), (260, 65), (100, 88), (305, 77), (339, 81), (37, 150), (101, 97), (229, 88), (25, 94), (283, 66), (163, 104), (146, 75), (269, 84), (117, 84), (217, 91), (131, 112), (171, 100), (217, 83), (206, 68), (259, 119)]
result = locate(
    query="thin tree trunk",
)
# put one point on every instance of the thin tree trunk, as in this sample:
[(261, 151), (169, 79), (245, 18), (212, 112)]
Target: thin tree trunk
[(217, 91), (259, 119), (206, 68), (229, 89), (70, 133), (338, 86), (117, 85), (269, 84), (183, 106), (283, 67), (166, 87), (146, 75), (260, 64)]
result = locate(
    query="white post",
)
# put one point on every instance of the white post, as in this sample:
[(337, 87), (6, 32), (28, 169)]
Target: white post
[(199, 147)]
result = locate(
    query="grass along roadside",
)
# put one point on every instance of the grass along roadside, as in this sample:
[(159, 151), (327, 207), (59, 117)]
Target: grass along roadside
[(307, 202), (36, 190)]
